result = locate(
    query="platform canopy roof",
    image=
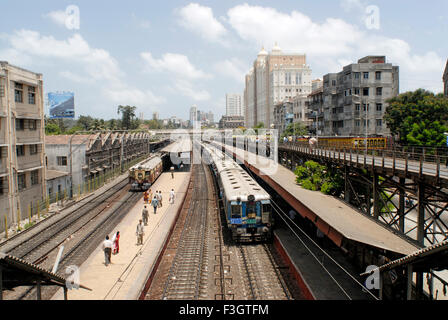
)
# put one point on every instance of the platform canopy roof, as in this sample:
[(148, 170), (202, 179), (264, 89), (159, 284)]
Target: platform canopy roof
[(15, 272), (434, 257)]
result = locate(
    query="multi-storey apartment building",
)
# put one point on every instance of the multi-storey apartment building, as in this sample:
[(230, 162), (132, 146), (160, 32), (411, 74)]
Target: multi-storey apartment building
[(274, 78), (234, 104), (445, 80), (355, 99), (22, 174)]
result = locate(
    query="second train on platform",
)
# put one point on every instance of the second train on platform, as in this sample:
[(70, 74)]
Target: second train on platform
[(246, 204), (143, 174)]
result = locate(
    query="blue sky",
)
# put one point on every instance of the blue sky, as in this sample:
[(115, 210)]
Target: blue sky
[(166, 56)]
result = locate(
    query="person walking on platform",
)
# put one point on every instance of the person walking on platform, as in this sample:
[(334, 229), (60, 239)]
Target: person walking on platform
[(115, 241), (145, 215), (155, 203), (146, 197), (140, 233), (107, 247), (159, 198), (172, 195), (172, 172)]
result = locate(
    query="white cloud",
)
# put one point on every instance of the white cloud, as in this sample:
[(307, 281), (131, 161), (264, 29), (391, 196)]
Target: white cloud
[(186, 89), (333, 41), (200, 20), (84, 64), (263, 25), (233, 68), (96, 63), (133, 96), (349, 5), (58, 17), (177, 64)]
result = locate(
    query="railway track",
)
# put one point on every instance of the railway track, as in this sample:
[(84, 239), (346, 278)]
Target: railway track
[(81, 232), (262, 276), (203, 262), (187, 278)]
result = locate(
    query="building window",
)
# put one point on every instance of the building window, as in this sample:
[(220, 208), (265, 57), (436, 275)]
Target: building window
[(18, 92), (365, 106), (379, 91), (62, 161), (31, 95), (34, 177), (379, 107), (357, 75), (378, 75), (365, 75), (33, 149), (21, 181), (357, 107), (333, 83), (32, 124), (20, 151), (379, 122), (357, 91), (20, 124), (365, 91), (357, 123)]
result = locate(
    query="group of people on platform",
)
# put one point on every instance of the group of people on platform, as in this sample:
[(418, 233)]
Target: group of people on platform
[(156, 202), (111, 246)]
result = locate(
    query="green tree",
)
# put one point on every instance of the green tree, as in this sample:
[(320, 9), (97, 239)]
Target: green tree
[(412, 117), (52, 128), (127, 117), (295, 129), (85, 122)]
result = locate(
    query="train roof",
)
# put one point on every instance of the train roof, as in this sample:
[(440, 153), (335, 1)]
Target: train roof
[(148, 164), (237, 183)]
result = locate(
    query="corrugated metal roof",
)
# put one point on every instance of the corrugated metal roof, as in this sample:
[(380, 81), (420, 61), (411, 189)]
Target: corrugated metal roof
[(412, 257), (20, 264)]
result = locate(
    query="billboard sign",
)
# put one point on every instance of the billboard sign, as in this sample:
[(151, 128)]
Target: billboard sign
[(62, 105)]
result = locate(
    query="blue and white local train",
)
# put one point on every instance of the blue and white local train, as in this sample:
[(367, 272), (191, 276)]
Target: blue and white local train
[(247, 205)]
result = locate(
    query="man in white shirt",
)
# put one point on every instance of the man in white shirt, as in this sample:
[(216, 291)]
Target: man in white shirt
[(172, 195), (107, 247)]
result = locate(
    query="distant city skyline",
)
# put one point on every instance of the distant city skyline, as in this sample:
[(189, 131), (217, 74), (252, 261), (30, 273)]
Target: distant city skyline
[(168, 56)]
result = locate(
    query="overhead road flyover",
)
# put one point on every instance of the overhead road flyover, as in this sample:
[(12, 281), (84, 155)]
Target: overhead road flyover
[(15, 272), (341, 223)]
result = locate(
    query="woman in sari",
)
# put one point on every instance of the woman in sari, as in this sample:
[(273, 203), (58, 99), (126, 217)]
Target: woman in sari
[(115, 241)]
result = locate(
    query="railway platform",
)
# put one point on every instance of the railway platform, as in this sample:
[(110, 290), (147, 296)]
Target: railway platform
[(355, 236), (126, 276)]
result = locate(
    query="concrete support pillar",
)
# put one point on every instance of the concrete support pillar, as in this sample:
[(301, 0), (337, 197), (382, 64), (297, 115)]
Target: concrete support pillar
[(376, 196), (346, 185), (401, 207), (409, 283), (38, 291), (421, 214)]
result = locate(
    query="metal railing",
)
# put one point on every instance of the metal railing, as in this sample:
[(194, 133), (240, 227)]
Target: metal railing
[(424, 160)]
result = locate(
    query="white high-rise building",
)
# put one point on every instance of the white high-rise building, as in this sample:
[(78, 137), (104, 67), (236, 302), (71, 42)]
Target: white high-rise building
[(234, 104), (193, 114), (274, 77)]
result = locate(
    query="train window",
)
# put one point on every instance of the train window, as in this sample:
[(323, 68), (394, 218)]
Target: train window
[(236, 211), (267, 208), (251, 208)]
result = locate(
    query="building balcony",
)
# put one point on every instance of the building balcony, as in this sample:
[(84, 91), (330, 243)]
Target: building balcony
[(28, 162), (28, 136)]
